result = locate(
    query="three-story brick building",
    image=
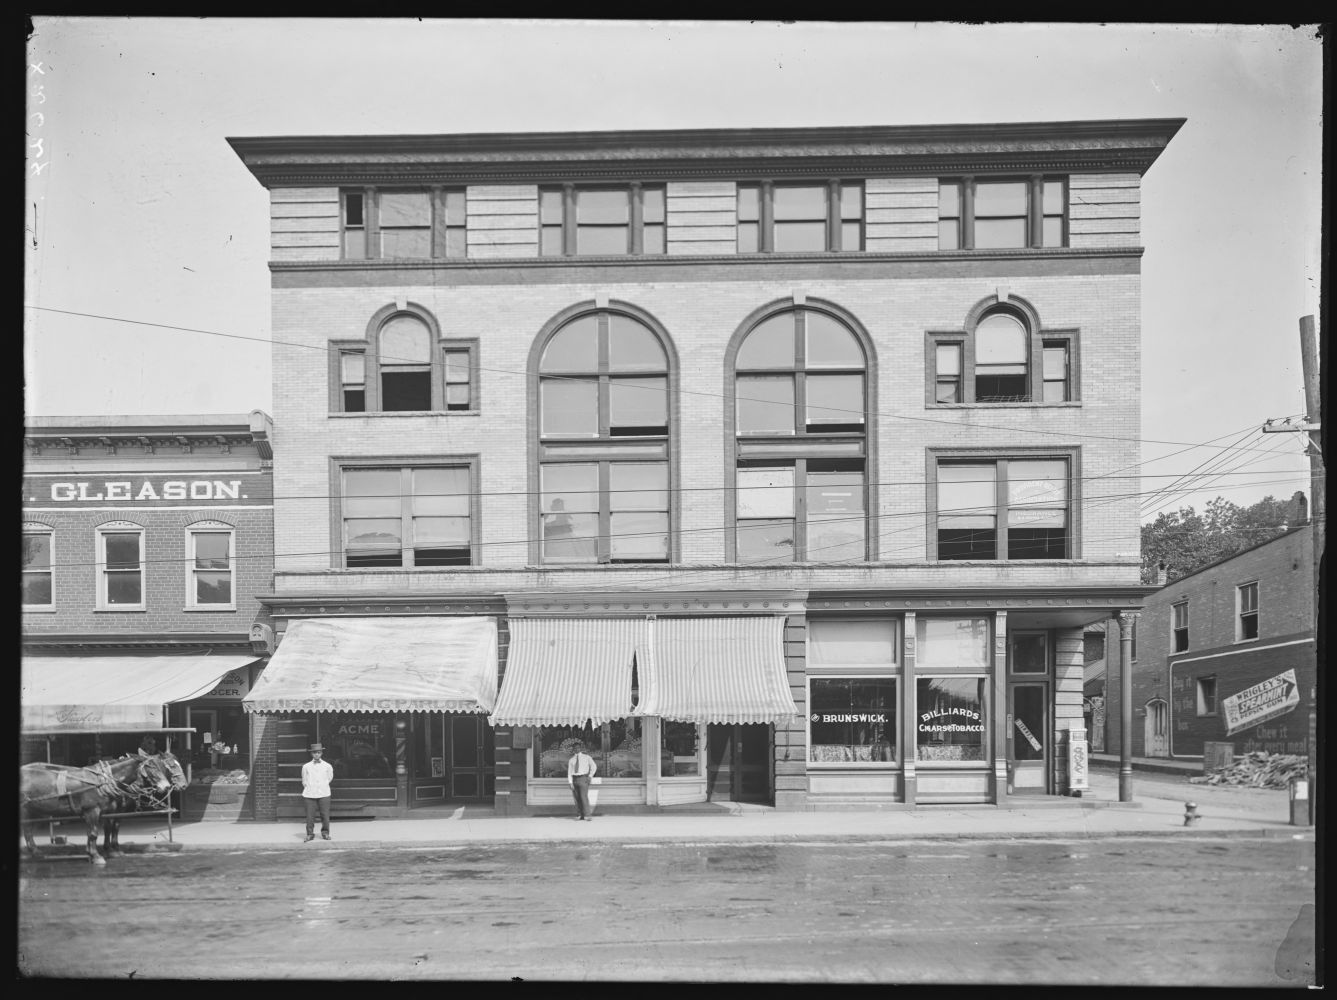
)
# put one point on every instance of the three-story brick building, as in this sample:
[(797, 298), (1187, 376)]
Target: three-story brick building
[(775, 464)]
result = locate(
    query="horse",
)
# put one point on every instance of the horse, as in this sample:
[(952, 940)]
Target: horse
[(55, 791)]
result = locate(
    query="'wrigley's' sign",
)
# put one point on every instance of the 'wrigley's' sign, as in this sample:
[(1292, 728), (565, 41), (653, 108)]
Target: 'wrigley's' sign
[(146, 489)]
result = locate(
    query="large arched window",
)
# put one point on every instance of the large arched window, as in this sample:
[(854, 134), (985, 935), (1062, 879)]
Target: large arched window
[(800, 394), (604, 419)]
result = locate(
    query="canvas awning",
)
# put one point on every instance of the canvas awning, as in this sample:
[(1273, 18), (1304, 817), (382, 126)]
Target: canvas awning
[(717, 670), (564, 671), (112, 694), (381, 665)]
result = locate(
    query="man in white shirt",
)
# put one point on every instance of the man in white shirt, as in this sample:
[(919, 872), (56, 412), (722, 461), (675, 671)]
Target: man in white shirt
[(316, 777), (579, 770)]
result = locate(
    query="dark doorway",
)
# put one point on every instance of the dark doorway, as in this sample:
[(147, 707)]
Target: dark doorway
[(738, 763)]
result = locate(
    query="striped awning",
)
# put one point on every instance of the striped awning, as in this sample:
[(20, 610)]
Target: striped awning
[(381, 665), (114, 694), (565, 671), (717, 670)]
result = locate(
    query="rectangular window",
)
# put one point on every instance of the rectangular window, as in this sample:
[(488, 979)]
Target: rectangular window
[(407, 516), (398, 224), (951, 720), (679, 749), (604, 512), (615, 746), (577, 220), (852, 720), (1179, 627), (405, 223), (800, 217), (460, 377), (353, 381), (37, 582), (355, 225), (1246, 602), (807, 510), (1015, 508), (211, 568), (1055, 367), (121, 568), (1206, 695), (952, 643), (1002, 213), (947, 378)]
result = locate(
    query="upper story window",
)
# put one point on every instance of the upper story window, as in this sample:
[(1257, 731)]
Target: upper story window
[(1004, 508), (1001, 356), (976, 213), (578, 220), (603, 380), (1179, 627), (776, 217), (407, 516), (37, 584), (403, 365), (393, 223), (1246, 611), (120, 569), (800, 419), (211, 557), (1207, 695)]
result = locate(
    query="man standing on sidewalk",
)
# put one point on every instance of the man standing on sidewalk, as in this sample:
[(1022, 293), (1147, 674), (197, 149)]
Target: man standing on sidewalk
[(316, 777), (579, 770)]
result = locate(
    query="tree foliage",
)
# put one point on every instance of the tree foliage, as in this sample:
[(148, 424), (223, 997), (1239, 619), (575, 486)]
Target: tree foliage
[(1187, 541)]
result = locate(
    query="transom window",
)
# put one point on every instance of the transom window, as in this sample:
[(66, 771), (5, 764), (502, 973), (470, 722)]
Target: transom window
[(1002, 213), (396, 223), (408, 516), (37, 583), (576, 220), (603, 409), (1011, 508), (775, 217), (1003, 357), (800, 419)]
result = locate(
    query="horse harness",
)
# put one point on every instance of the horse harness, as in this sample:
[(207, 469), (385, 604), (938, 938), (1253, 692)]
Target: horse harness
[(103, 780)]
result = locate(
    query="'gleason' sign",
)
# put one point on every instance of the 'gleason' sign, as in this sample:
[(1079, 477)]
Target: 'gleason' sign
[(1265, 700), (42, 490)]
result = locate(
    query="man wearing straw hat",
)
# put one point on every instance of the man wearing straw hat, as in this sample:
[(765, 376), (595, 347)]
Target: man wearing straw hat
[(316, 777)]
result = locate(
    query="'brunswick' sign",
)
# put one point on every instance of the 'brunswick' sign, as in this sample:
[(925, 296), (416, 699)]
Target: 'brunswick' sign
[(1265, 700)]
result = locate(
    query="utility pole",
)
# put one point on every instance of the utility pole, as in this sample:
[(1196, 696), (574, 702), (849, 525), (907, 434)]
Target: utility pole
[(1313, 426)]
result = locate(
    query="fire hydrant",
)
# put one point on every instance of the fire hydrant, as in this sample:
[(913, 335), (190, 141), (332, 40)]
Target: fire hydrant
[(1191, 813)]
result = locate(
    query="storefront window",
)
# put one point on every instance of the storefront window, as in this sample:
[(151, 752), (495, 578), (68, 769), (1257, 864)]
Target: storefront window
[(950, 719), (358, 745), (947, 643), (852, 719), (615, 747), (679, 748)]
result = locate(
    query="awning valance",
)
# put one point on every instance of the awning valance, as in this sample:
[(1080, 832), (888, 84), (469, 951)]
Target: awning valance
[(564, 671), (381, 665), (717, 670), (105, 694)]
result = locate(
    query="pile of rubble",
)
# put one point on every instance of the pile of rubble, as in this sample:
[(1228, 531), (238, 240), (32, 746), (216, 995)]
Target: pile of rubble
[(1258, 770)]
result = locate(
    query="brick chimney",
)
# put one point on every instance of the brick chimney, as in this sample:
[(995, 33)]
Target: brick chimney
[(1299, 509), (1161, 570)]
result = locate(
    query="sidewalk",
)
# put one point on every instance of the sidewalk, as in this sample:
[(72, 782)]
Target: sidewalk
[(1157, 810)]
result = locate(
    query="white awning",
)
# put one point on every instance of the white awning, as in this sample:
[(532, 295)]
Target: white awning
[(381, 665), (104, 694), (565, 671), (717, 670)]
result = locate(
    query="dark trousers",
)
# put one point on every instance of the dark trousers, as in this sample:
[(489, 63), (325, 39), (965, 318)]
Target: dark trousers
[(324, 806), (580, 790)]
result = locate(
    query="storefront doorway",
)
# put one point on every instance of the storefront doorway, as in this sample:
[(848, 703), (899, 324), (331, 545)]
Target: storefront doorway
[(1028, 713), (738, 767), (451, 759)]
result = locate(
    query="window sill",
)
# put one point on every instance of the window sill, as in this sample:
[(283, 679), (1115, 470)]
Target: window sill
[(406, 413), (140, 608), (857, 765), (1243, 642), (221, 607), (1069, 404), (39, 609)]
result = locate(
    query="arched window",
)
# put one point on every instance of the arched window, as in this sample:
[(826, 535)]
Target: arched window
[(800, 393), (1002, 356), (403, 364), (604, 429), (405, 355)]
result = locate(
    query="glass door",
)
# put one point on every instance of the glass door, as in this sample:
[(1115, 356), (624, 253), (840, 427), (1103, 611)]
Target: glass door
[(427, 776), (1027, 738)]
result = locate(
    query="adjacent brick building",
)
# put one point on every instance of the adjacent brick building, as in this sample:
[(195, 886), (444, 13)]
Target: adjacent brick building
[(1228, 654), (146, 540), (783, 463)]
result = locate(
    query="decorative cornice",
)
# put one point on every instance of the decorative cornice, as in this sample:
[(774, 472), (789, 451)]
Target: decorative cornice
[(1126, 597), (602, 604), (203, 641), (1131, 145), (376, 605)]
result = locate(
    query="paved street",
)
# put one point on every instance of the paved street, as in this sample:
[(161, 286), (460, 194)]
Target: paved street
[(1127, 910)]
